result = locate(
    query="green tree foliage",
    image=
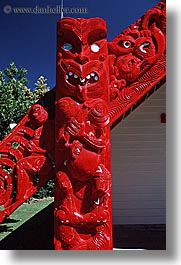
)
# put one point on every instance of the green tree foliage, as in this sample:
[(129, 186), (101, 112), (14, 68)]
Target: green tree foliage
[(41, 88), (16, 97), (13, 102), (45, 191)]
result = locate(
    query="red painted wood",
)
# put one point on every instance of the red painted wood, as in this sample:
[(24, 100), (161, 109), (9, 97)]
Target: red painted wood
[(26, 159), (137, 60), (67, 134), (82, 150)]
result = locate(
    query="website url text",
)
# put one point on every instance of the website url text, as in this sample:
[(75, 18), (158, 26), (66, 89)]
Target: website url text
[(44, 10)]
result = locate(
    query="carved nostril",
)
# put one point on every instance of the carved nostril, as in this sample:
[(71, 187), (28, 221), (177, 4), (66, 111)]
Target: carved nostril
[(102, 58), (81, 59)]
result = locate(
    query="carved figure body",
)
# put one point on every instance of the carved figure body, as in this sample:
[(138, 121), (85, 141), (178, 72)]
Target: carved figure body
[(30, 165), (26, 161), (83, 195), (67, 135)]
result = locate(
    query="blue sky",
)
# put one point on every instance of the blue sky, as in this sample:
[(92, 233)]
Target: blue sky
[(30, 39)]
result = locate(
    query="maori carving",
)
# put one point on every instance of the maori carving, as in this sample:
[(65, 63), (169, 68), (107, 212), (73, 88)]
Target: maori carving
[(26, 159), (67, 133), (83, 179), (137, 60)]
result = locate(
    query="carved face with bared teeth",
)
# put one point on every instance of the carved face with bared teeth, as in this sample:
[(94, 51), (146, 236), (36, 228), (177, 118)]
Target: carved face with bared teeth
[(82, 68), (74, 79)]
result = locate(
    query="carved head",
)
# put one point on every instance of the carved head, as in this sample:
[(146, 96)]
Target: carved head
[(136, 49), (82, 69), (37, 115)]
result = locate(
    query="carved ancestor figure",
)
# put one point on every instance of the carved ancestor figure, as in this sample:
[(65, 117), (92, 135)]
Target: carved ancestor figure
[(83, 182), (67, 134)]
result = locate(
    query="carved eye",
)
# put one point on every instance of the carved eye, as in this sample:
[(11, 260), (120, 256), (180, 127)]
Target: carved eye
[(95, 47), (67, 46), (143, 46), (127, 44)]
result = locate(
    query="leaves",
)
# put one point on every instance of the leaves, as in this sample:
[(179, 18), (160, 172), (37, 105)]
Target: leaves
[(15, 96), (41, 87)]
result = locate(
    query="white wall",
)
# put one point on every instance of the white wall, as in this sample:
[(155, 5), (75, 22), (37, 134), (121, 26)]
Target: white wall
[(139, 164)]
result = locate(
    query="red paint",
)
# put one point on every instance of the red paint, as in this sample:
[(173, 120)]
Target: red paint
[(82, 153), (137, 60), (67, 134), (26, 161)]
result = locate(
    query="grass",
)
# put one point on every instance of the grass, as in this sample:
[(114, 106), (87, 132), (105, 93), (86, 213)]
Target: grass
[(22, 214)]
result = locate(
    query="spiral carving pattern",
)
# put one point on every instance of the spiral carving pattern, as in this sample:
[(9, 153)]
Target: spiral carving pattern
[(21, 158)]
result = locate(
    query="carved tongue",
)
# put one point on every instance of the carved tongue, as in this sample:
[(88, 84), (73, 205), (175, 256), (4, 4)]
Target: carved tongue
[(83, 93)]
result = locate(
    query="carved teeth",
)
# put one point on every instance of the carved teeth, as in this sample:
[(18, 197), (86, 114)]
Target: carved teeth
[(92, 77)]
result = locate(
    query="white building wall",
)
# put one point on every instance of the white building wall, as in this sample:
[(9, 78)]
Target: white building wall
[(139, 164)]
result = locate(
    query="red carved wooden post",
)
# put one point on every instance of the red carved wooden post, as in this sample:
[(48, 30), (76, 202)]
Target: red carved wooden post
[(82, 149), (130, 68)]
